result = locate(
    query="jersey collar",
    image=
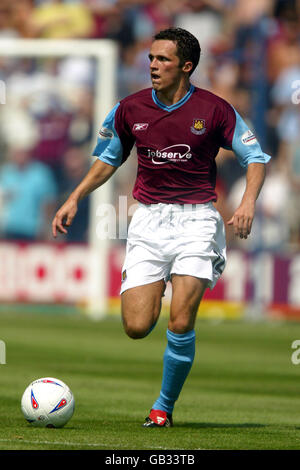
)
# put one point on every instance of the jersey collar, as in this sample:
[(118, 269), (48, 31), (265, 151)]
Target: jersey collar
[(173, 106)]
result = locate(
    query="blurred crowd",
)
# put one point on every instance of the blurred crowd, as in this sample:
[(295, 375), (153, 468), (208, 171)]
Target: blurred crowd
[(250, 57)]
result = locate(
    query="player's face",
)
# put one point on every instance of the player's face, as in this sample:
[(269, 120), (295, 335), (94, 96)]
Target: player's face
[(166, 73)]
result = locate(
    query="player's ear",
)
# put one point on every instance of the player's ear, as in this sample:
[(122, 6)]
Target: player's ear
[(188, 66)]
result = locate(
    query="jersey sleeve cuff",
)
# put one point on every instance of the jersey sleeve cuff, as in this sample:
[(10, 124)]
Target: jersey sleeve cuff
[(108, 160), (263, 158)]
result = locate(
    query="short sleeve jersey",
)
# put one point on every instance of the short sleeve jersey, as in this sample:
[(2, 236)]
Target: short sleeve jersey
[(176, 145)]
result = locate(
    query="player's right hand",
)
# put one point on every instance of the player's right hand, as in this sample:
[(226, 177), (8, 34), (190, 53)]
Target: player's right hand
[(64, 217)]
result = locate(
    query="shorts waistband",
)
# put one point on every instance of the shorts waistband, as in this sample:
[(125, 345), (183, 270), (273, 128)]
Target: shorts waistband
[(178, 207)]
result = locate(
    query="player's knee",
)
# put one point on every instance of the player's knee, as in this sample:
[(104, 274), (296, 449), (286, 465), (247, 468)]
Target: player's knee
[(135, 333), (135, 330), (180, 325)]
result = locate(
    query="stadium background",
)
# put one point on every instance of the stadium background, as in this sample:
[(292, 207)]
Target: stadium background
[(250, 57)]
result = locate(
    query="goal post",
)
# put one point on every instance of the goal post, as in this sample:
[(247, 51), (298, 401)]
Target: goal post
[(105, 52)]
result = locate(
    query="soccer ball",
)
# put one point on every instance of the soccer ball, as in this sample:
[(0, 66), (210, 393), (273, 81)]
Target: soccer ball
[(47, 403)]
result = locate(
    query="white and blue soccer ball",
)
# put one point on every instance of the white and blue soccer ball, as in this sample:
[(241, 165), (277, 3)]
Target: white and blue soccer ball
[(48, 403)]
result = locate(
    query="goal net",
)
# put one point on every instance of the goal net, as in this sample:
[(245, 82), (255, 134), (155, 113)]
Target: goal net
[(103, 55)]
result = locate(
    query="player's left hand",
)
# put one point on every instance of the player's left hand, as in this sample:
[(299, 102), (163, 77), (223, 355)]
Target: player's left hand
[(64, 217), (242, 219)]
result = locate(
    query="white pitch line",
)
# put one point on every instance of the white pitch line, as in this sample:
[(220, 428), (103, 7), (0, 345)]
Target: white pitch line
[(66, 443)]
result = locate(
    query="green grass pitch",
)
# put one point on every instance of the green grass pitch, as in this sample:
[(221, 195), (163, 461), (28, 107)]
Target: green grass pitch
[(243, 391)]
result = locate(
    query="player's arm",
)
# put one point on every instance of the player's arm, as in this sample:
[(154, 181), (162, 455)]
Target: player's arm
[(240, 139), (243, 216), (98, 174), (113, 147)]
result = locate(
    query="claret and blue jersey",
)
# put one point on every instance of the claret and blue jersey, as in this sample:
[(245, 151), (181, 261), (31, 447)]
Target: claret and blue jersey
[(176, 145)]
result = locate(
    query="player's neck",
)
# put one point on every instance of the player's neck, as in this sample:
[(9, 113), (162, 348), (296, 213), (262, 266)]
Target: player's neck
[(173, 95)]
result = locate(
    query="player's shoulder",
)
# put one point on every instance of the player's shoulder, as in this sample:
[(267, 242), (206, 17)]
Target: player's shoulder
[(211, 98)]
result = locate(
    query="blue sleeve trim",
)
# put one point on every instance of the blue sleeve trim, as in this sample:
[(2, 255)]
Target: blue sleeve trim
[(245, 145), (109, 148)]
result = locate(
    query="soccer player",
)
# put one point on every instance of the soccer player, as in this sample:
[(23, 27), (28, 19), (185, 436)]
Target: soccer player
[(176, 233)]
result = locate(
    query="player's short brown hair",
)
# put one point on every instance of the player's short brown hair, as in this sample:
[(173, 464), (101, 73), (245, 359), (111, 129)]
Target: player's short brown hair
[(188, 47)]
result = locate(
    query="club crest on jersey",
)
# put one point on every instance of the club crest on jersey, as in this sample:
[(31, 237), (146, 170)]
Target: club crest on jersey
[(198, 126)]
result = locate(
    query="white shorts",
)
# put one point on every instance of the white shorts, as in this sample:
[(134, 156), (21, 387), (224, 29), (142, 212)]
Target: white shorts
[(166, 239)]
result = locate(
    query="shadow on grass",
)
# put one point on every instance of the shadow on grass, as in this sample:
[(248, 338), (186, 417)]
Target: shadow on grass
[(219, 425)]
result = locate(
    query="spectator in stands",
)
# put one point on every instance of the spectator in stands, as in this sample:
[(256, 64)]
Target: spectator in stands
[(75, 85), (285, 110), (109, 19), (58, 19), (21, 17), (27, 188), (28, 195), (284, 47), (7, 28)]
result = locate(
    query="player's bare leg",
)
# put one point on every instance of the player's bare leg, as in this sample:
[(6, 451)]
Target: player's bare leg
[(187, 292), (180, 351), (141, 308)]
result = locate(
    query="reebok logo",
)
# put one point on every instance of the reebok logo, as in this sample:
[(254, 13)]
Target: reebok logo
[(140, 126)]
